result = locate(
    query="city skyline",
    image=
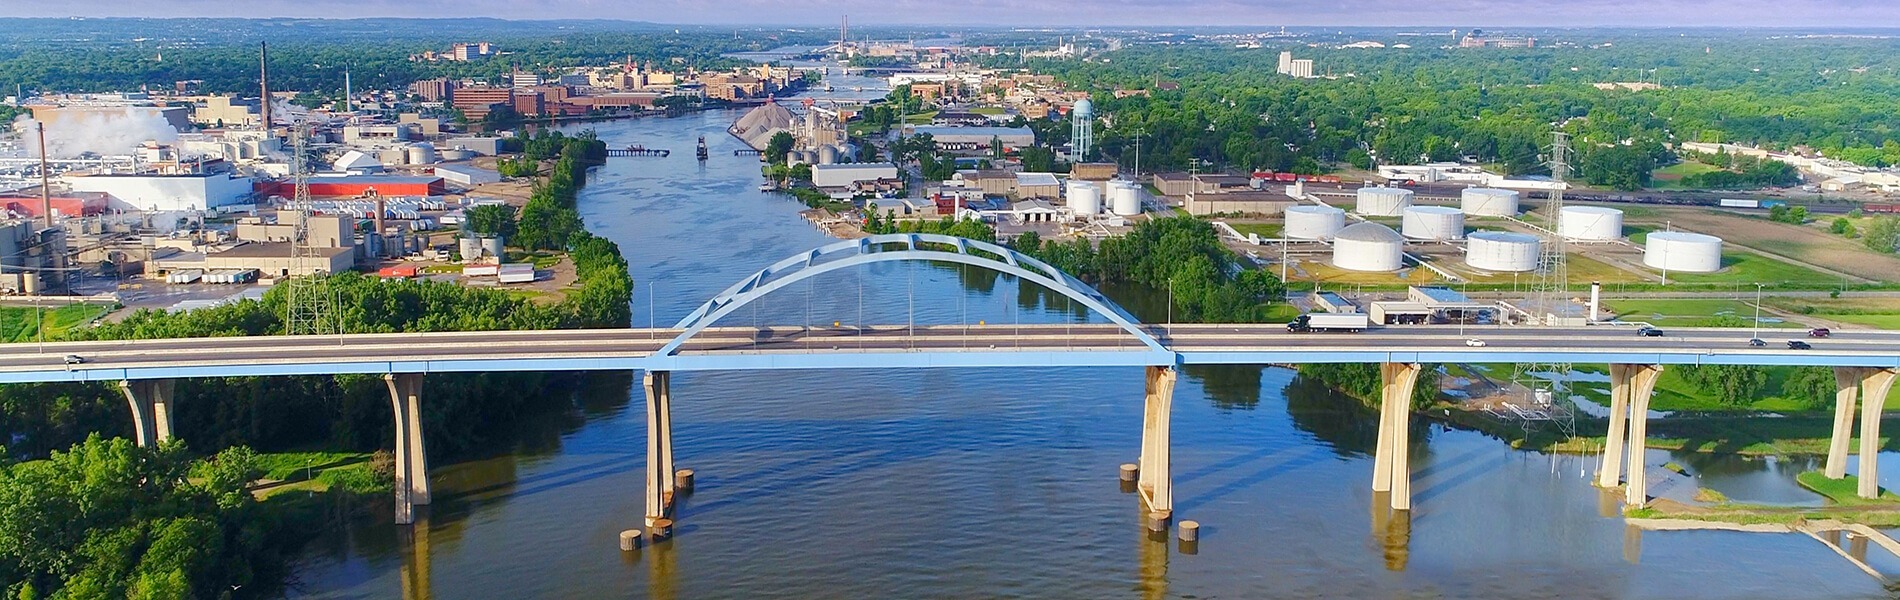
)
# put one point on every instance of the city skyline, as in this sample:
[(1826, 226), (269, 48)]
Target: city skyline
[(1468, 13)]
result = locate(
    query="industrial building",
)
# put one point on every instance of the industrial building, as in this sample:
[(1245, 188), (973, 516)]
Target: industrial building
[(993, 182), (977, 138), (155, 192), (1173, 183), (843, 175), (359, 185), (1246, 202), (1037, 185), (466, 175)]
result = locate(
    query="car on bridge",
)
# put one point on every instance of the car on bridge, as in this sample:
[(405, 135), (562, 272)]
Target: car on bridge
[(1799, 345), (1650, 332), (74, 359), (1820, 332)]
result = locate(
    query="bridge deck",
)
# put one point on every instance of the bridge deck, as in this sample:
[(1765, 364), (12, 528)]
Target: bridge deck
[(796, 347)]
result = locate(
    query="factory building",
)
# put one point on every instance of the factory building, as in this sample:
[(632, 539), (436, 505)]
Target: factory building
[(153, 192), (465, 175), (358, 185), (1037, 185), (1247, 202), (844, 175), (977, 138), (227, 111)]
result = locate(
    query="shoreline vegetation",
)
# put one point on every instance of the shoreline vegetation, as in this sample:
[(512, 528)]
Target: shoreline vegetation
[(206, 513)]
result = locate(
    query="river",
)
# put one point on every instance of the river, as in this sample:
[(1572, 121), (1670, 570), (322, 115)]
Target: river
[(997, 482)]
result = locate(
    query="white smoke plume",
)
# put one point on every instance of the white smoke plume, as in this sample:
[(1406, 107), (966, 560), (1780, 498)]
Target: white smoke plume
[(104, 132)]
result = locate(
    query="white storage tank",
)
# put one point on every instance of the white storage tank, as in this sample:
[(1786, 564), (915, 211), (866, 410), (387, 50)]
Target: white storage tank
[(1503, 251), (1591, 223), (1313, 222), (1084, 198), (1683, 251), (492, 246), (1433, 223), (1368, 246), (1125, 198), (1488, 202), (422, 153), (470, 248), (1383, 201), (455, 154), (828, 155)]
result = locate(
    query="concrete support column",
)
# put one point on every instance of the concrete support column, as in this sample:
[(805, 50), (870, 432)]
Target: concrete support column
[(659, 501), (1156, 482), (151, 401), (1642, 384), (1391, 461), (1847, 382), (412, 461), (1874, 385), (1610, 471)]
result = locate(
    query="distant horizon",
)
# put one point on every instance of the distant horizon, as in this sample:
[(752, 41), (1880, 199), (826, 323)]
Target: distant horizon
[(1133, 14)]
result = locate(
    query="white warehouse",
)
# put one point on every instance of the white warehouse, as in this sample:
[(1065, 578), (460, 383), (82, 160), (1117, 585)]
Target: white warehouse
[(158, 193), (843, 175)]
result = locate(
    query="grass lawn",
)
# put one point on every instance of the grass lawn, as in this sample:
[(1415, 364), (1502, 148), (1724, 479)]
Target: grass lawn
[(1585, 269), (1746, 267), (989, 110), (1682, 312), (291, 465), (1876, 321), (1883, 313), (1638, 234), (1282, 312), (1265, 230)]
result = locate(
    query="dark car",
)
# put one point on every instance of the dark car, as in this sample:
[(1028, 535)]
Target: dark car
[(74, 359), (1799, 345), (1649, 332), (1819, 332), (1756, 342)]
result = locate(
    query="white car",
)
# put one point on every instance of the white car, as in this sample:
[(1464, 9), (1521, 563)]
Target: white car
[(1475, 343)]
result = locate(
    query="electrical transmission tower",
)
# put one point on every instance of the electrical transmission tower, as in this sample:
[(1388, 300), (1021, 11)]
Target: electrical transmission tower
[(307, 303), (1549, 303)]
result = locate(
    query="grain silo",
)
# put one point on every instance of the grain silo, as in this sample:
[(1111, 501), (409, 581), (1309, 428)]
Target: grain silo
[(1488, 202), (827, 155), (1683, 251), (1085, 199), (1313, 222), (1591, 223), (1368, 246), (1433, 223), (422, 153), (1383, 201), (1503, 251)]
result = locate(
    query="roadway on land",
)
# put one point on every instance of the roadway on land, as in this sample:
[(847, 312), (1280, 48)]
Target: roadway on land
[(1198, 343)]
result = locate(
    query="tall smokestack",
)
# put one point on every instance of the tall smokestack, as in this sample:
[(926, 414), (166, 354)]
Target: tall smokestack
[(263, 81), (46, 190)]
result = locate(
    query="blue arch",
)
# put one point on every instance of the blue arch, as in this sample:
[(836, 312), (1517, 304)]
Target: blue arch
[(841, 255)]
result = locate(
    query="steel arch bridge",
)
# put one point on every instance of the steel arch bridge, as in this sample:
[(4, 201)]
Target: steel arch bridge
[(927, 247)]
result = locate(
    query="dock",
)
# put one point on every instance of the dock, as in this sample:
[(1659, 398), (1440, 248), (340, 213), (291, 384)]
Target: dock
[(638, 151)]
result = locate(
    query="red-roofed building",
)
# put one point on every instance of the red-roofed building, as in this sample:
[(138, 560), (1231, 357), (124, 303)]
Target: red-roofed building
[(358, 185)]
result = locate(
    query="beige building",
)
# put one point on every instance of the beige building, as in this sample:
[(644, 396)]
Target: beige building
[(1237, 203), (992, 182), (226, 111), (1174, 184)]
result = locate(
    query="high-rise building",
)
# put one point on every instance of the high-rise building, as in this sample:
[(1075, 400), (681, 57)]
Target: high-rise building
[(441, 89), (1286, 63), (524, 80)]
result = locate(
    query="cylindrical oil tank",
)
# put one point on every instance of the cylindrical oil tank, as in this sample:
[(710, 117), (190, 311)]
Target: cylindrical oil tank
[(1125, 198), (1683, 251), (455, 154), (1313, 222), (29, 283), (492, 246), (422, 153), (1503, 251), (1383, 201), (827, 155), (1433, 223), (1591, 223), (1368, 246), (470, 248), (1085, 199), (1488, 202)]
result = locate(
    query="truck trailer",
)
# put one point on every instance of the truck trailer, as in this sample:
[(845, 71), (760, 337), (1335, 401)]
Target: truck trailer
[(1323, 322)]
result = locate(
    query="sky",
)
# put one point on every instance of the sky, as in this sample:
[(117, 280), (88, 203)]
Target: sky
[(1466, 13)]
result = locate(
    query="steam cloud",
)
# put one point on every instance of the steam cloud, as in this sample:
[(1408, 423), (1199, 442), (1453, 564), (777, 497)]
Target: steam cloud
[(105, 133)]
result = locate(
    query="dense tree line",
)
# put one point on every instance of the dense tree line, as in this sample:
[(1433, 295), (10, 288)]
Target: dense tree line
[(1739, 172), (108, 519), (1182, 255), (550, 219), (1423, 104), (1362, 380)]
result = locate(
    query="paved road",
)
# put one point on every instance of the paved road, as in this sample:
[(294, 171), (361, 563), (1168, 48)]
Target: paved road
[(1241, 343)]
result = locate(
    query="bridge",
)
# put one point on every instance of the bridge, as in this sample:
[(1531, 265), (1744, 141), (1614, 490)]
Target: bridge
[(1865, 365)]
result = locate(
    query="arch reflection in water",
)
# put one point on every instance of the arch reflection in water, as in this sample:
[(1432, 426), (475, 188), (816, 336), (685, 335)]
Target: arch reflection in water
[(415, 557), (1152, 580), (1392, 529)]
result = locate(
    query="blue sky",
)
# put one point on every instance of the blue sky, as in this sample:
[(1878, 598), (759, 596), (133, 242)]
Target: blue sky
[(1652, 13)]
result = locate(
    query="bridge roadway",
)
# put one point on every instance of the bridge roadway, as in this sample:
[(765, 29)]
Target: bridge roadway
[(796, 347)]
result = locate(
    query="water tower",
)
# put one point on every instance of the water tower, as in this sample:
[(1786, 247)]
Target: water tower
[(1082, 132)]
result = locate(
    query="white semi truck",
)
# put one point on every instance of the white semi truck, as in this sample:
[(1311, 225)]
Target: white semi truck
[(1321, 322)]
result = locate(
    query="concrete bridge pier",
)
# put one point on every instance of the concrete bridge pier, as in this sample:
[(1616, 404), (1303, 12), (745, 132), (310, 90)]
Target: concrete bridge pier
[(1874, 385), (1391, 458), (1847, 386), (151, 401), (412, 460), (659, 501), (1156, 483), (1630, 389)]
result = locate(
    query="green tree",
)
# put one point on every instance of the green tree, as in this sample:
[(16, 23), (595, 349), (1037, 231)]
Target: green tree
[(1734, 385), (1812, 386), (491, 220), (1882, 234), (778, 146), (1841, 226)]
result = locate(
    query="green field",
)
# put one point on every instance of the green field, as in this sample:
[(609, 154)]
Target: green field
[(17, 323), (1875, 321), (1670, 177), (1265, 230), (1750, 268), (1683, 312)]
